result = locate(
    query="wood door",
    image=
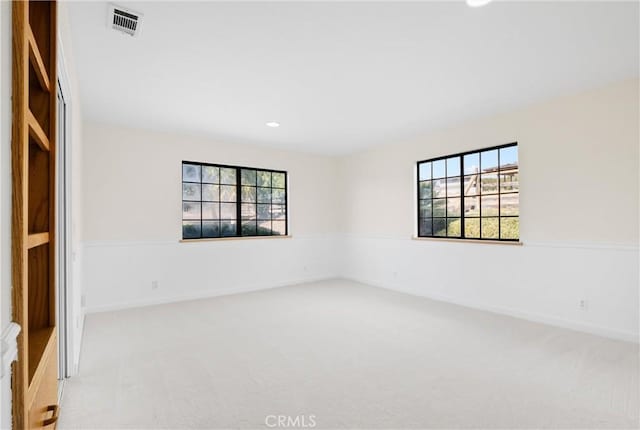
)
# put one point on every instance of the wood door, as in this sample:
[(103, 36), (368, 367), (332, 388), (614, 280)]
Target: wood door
[(34, 375)]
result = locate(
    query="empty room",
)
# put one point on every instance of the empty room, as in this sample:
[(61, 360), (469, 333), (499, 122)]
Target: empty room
[(332, 215)]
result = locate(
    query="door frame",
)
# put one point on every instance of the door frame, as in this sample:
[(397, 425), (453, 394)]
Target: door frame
[(64, 226)]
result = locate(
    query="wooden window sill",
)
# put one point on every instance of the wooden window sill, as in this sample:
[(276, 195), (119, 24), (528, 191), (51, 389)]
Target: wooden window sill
[(482, 241), (216, 239)]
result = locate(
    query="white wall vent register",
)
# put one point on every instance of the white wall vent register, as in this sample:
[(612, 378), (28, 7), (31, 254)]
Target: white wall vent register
[(124, 20)]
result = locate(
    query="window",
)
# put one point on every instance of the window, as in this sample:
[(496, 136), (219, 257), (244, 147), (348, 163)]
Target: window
[(473, 195), (228, 201)]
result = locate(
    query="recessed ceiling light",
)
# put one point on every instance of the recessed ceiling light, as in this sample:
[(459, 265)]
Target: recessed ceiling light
[(273, 124), (478, 3)]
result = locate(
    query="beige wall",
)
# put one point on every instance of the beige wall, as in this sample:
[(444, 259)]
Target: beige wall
[(132, 182), (354, 217), (133, 198), (579, 170), (578, 160)]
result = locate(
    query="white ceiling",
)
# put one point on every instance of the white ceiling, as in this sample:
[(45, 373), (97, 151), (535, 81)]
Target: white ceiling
[(342, 76)]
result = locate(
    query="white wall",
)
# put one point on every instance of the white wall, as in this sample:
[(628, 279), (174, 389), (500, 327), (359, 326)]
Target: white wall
[(5, 197), (132, 207), (5, 188), (579, 216)]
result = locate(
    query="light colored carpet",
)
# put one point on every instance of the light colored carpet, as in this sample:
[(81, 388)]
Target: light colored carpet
[(350, 355)]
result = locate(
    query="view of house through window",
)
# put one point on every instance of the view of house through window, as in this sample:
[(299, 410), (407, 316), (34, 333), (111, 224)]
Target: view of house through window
[(473, 195), (227, 201)]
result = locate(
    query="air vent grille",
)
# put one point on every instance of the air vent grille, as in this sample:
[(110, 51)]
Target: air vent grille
[(124, 20)]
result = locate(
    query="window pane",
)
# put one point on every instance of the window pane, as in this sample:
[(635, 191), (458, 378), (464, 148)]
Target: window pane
[(439, 227), (453, 166), (424, 227), (472, 185), (248, 177), (439, 169), (264, 179), (440, 188), (211, 175), (191, 229), (453, 207), (439, 207), (227, 193), (471, 206), (190, 191), (478, 191), (278, 212), (264, 212), (248, 211), (264, 228), (227, 228), (424, 171), (489, 228), (472, 163), (210, 210), (279, 228), (264, 195), (249, 228), (489, 160), (489, 205), (210, 193), (489, 183), (425, 190), (509, 181), (453, 187), (227, 210), (227, 175), (509, 228), (472, 228), (509, 157), (190, 173), (249, 194), (509, 204), (453, 227), (277, 180), (211, 204), (278, 196), (191, 210), (426, 209), (210, 229)]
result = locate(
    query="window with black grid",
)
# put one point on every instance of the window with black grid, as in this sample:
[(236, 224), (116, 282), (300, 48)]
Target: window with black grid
[(472, 195), (230, 201)]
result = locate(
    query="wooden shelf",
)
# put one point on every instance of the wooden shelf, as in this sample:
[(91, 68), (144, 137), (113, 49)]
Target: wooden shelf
[(34, 81), (37, 239), (39, 339), (36, 61), (36, 131)]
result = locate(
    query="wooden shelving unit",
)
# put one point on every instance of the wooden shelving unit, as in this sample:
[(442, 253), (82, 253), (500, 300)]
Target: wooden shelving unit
[(35, 372)]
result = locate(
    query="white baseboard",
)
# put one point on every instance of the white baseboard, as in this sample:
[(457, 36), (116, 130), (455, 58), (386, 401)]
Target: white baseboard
[(201, 295), (534, 317)]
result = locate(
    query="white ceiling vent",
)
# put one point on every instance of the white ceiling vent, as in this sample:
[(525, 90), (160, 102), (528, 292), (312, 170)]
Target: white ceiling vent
[(124, 20)]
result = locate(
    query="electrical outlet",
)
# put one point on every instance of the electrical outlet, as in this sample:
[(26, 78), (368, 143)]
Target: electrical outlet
[(154, 285), (583, 304)]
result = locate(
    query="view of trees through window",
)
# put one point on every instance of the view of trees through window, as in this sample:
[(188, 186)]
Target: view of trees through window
[(227, 201), (473, 195)]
